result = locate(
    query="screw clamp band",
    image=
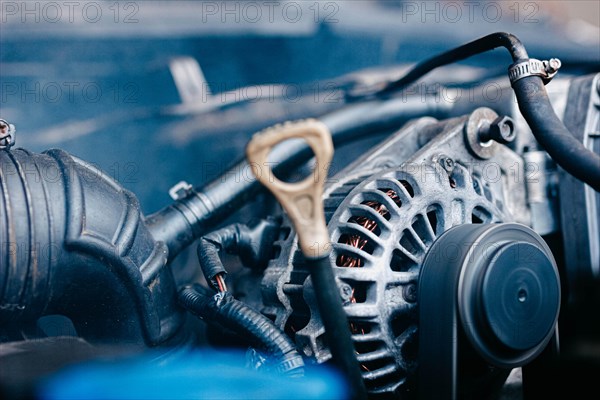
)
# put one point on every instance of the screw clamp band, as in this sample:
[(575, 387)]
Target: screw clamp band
[(533, 67)]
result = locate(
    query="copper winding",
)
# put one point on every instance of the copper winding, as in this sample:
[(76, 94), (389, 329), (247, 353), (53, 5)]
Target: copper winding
[(358, 242)]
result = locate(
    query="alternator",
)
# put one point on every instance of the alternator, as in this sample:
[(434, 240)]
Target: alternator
[(383, 216)]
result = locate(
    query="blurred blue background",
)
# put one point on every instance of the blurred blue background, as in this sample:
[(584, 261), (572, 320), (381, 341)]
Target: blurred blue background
[(198, 375)]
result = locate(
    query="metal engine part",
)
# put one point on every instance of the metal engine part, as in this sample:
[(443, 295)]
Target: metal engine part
[(383, 216), (491, 290)]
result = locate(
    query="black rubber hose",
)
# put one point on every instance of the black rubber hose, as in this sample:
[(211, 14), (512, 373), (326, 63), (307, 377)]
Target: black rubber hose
[(251, 325), (478, 46), (533, 101), (553, 135), (185, 220)]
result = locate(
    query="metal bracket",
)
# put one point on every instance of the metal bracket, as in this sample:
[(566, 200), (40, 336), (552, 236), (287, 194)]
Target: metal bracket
[(180, 190)]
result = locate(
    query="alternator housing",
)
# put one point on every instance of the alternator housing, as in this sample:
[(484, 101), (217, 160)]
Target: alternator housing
[(384, 212)]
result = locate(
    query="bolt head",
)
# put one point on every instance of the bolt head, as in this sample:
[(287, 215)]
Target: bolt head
[(502, 130), (446, 162), (554, 64), (409, 293), (6, 134), (345, 292)]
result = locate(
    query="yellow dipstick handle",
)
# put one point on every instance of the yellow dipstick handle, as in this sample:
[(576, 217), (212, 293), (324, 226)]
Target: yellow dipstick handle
[(302, 200)]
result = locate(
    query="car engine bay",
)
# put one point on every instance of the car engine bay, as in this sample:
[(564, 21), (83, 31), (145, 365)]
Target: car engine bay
[(417, 239)]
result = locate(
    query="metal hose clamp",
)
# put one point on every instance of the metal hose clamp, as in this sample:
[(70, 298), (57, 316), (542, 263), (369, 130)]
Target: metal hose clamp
[(533, 67)]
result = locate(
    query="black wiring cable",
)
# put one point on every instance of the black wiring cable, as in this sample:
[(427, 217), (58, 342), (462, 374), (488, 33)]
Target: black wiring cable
[(546, 126), (224, 309), (252, 242)]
